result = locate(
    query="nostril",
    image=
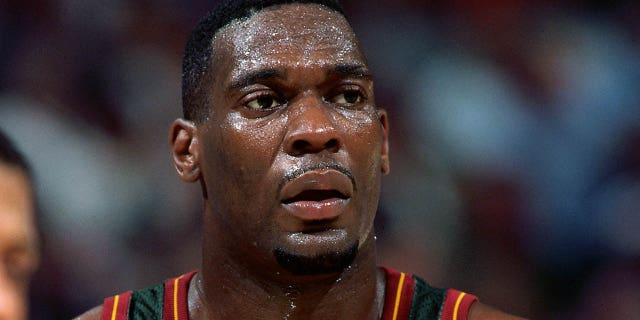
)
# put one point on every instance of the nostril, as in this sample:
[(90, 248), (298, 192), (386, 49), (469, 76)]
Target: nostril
[(300, 145), (331, 144), (305, 146)]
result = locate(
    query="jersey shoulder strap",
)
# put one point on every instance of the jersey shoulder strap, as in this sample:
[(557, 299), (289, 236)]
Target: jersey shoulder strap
[(166, 301), (408, 297), (116, 307), (457, 305), (175, 302), (399, 293)]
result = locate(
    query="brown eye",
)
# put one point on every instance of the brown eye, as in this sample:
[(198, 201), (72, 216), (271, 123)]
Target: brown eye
[(262, 103), (347, 98)]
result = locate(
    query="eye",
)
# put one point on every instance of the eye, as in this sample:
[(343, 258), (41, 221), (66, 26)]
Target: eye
[(263, 102), (348, 98)]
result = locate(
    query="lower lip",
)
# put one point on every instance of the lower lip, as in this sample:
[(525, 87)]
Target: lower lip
[(317, 210)]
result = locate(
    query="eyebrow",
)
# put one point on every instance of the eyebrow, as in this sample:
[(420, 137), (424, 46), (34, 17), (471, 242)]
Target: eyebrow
[(350, 70), (250, 78), (340, 70)]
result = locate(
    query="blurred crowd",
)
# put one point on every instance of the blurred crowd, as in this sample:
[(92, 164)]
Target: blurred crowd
[(515, 140)]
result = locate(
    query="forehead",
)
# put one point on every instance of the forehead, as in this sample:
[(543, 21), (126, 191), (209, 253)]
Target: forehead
[(304, 35)]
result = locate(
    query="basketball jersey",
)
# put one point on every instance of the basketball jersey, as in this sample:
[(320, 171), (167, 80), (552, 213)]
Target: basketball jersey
[(407, 297)]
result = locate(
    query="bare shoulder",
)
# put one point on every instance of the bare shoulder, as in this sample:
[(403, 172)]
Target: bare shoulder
[(92, 314), (481, 311)]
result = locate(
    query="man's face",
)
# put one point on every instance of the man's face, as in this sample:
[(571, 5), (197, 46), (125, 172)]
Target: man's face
[(294, 146), (18, 256)]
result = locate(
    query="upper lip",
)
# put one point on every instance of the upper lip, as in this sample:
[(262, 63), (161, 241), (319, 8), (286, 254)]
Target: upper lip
[(317, 185)]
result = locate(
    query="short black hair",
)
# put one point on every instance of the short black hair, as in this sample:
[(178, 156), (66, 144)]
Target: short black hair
[(199, 48), (10, 155)]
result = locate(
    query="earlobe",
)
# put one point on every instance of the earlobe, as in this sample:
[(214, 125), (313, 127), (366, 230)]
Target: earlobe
[(185, 149), (384, 151)]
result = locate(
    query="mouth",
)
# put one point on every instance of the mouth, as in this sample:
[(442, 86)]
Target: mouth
[(317, 195)]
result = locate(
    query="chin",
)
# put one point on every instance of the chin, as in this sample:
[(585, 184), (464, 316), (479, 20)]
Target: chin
[(321, 263)]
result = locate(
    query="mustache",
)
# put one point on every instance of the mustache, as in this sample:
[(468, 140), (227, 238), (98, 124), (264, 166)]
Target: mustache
[(293, 174)]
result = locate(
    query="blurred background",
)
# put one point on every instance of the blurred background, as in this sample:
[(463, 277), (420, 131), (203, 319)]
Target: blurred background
[(515, 139)]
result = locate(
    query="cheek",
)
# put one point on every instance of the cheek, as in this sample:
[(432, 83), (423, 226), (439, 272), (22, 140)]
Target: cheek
[(363, 138), (244, 154), (251, 145), (367, 160)]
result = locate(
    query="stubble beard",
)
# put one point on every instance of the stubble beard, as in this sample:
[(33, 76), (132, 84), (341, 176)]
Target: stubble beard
[(319, 264)]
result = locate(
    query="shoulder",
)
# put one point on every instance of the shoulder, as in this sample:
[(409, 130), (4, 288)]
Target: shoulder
[(457, 304), (92, 314), (146, 303), (480, 311)]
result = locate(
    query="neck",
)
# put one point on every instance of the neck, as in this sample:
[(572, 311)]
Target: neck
[(226, 290)]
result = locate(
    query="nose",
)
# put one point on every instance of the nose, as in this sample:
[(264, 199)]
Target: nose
[(311, 128)]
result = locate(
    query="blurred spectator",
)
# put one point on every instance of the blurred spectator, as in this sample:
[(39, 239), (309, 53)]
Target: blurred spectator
[(19, 248)]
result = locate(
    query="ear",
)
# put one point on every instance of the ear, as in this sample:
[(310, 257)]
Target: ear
[(185, 149), (384, 151)]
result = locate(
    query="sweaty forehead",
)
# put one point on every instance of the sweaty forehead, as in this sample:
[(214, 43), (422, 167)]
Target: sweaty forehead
[(299, 34)]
